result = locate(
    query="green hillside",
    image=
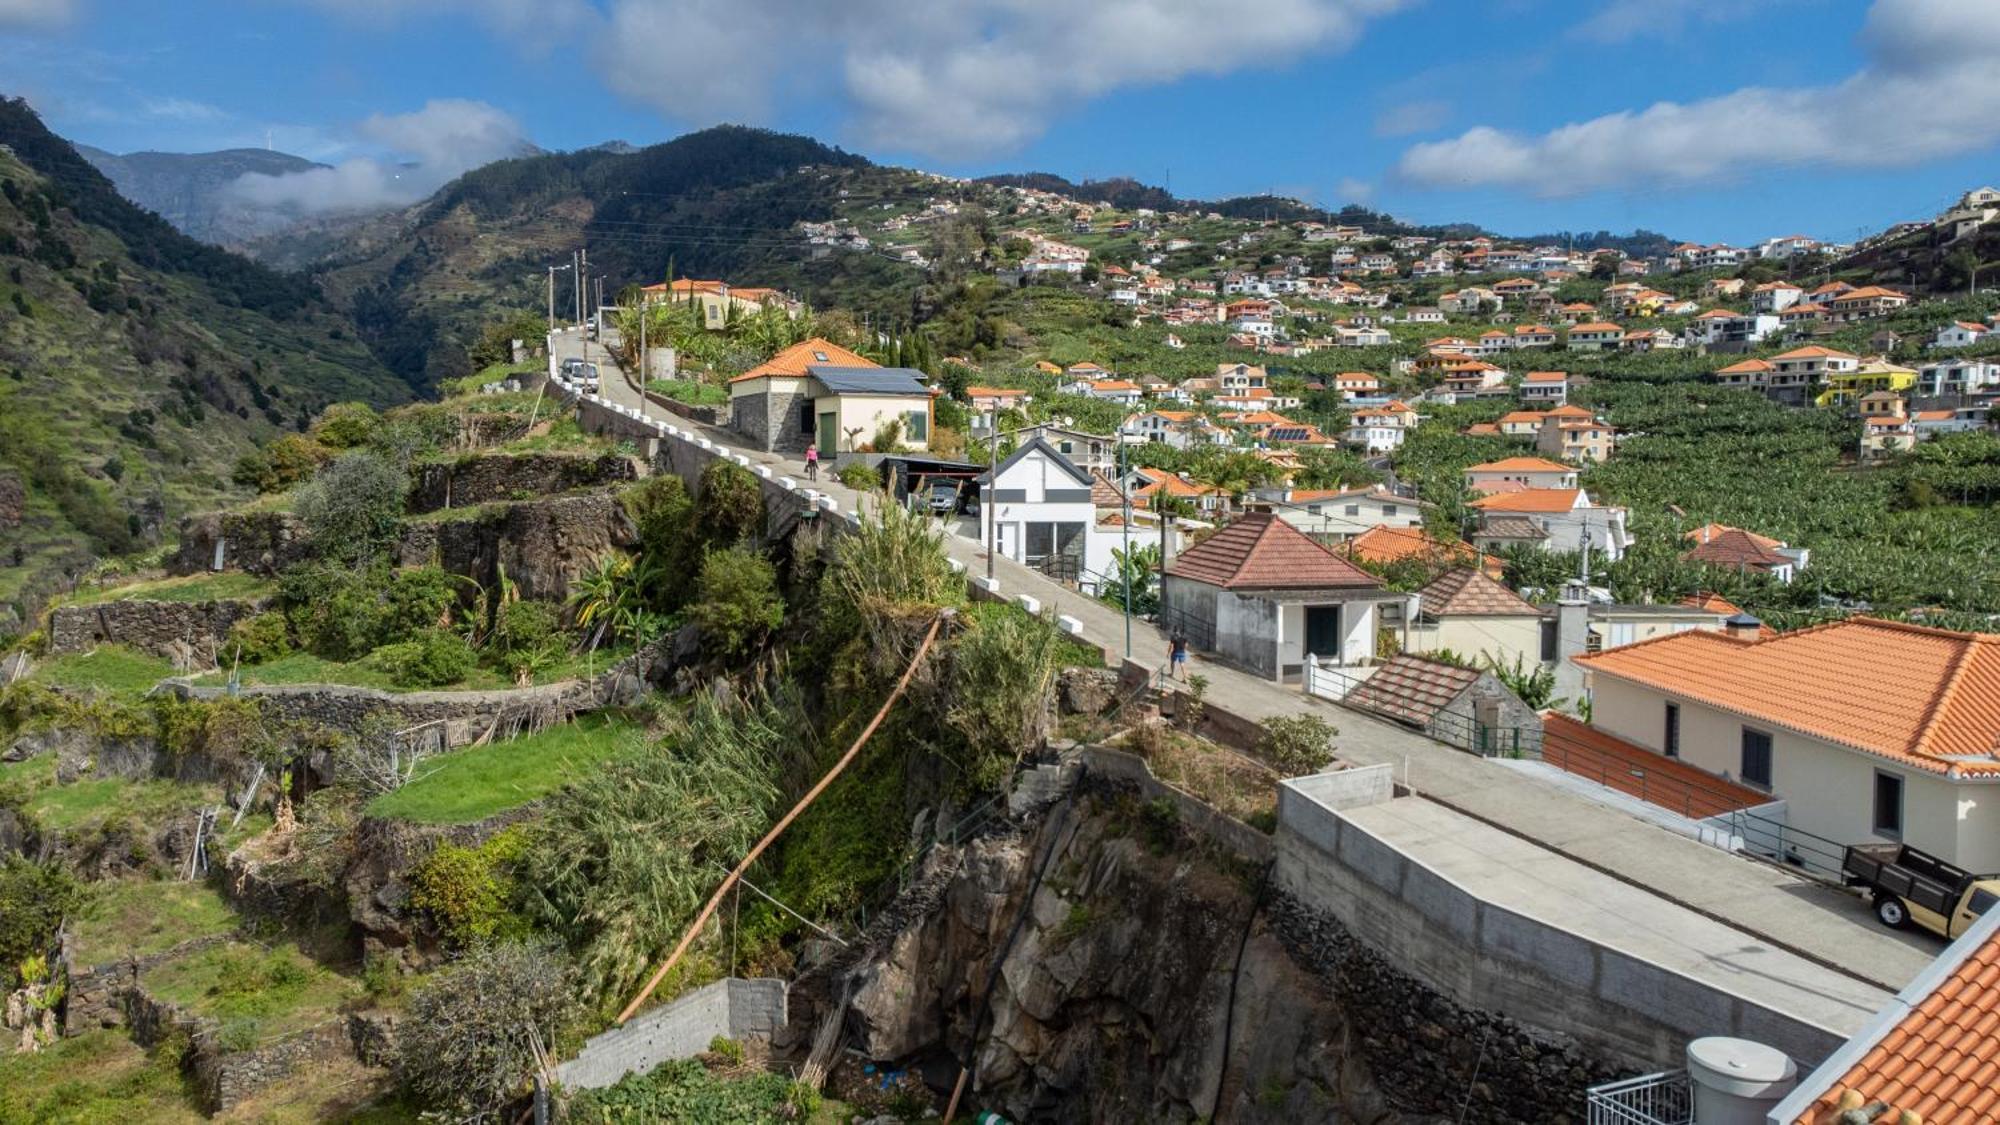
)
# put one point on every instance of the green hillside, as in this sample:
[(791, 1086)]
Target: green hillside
[(136, 365)]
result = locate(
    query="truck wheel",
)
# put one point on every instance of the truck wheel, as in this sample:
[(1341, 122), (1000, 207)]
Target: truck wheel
[(1890, 910)]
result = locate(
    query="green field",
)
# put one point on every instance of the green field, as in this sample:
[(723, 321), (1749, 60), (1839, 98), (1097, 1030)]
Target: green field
[(477, 782), (135, 918), (107, 668), (259, 994), (229, 584)]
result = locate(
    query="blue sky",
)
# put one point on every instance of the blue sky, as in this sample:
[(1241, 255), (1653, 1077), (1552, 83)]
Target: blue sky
[(1706, 119)]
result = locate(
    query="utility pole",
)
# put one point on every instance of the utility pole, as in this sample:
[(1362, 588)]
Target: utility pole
[(1125, 567), (582, 293), (643, 383), (552, 298), (992, 482)]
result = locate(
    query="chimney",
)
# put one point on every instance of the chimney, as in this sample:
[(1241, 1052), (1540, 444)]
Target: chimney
[(1742, 627)]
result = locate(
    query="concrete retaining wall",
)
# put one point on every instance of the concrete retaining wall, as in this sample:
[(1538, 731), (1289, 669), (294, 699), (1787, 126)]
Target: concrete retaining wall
[(730, 1008), (1197, 815), (1486, 956)]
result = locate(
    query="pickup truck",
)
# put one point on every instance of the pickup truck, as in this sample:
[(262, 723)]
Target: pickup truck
[(1911, 886)]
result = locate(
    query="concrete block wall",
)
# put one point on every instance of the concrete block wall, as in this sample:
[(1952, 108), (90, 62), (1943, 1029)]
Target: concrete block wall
[(730, 1008), (1487, 956)]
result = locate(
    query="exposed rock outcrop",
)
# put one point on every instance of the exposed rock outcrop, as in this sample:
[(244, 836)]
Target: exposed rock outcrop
[(1107, 967), (483, 479)]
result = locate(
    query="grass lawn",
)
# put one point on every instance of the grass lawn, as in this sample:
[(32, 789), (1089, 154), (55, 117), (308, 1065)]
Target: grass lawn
[(305, 668), (111, 668), (97, 1076), (258, 994), (186, 588), (135, 918), (691, 391), (83, 803), (474, 783)]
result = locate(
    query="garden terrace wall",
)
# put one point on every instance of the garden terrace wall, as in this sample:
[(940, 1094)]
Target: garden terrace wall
[(257, 542), (466, 715), (484, 478), (164, 629), (730, 1008), (543, 545)]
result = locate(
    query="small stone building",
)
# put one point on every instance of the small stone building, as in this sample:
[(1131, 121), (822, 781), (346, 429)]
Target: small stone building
[(1463, 707), (818, 391)]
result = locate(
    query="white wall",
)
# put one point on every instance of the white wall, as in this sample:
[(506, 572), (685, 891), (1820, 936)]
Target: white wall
[(869, 412), (1505, 637), (1829, 789), (1037, 475)]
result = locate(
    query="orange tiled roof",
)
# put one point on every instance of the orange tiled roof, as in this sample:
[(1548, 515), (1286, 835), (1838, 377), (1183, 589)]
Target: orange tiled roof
[(1468, 593), (1709, 531), (1481, 429), (1734, 547), (1530, 500), (793, 361), (1520, 465), (1385, 544), (1546, 377), (994, 392), (1933, 700), (1261, 551), (1598, 326), (1745, 367), (1534, 416), (1941, 1060), (1569, 410), (1814, 351)]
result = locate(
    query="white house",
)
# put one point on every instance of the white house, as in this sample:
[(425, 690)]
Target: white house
[(1960, 333), (1544, 388), (1775, 297), (1958, 377), (1868, 730), (1039, 505), (1337, 514), (1380, 429), (1515, 473), (1552, 519)]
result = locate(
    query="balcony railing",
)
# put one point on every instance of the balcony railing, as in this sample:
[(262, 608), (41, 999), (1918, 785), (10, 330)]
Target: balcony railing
[(1666, 1098)]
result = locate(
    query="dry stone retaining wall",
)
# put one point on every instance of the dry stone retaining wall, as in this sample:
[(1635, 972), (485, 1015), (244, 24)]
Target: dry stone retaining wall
[(483, 479), (164, 629)]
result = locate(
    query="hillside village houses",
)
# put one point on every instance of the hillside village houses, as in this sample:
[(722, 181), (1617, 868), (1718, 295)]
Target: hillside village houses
[(818, 392), (1381, 429), (1550, 519)]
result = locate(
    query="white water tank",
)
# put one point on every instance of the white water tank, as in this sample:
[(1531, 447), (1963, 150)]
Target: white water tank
[(1736, 1081)]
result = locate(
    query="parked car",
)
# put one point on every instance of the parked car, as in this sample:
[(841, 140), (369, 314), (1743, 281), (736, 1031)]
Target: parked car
[(1914, 886), (941, 496), (586, 374)]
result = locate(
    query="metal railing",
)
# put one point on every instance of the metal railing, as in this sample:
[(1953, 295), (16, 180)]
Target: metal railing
[(1200, 633), (1775, 840), (1669, 790), (1666, 1098)]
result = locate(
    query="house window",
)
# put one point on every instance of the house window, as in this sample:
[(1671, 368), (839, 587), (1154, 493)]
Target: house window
[(917, 425), (1066, 448), (1388, 509), (1757, 758), (1672, 742), (1888, 805), (1354, 509)]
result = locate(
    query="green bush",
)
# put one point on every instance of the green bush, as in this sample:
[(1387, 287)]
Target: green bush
[(465, 1044), (335, 612), (345, 425), (418, 599), (859, 477), (684, 1090), (353, 506), (435, 658), (1297, 744), (469, 892), (525, 627), (731, 508), (34, 898), (286, 461), (256, 639), (737, 603)]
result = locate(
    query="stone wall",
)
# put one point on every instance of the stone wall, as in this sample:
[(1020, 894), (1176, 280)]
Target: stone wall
[(729, 1008), (173, 630), (466, 715), (543, 545), (224, 1079), (1198, 816), (484, 478), (257, 542)]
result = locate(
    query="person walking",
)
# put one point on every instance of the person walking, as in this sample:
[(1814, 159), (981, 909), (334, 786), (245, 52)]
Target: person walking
[(1177, 653), (812, 460)]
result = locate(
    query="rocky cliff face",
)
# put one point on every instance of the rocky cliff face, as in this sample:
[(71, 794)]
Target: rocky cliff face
[(1102, 965)]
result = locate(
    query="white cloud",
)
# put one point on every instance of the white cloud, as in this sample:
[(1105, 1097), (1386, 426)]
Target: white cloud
[(1406, 118), (1621, 21), (1349, 189), (17, 14), (1926, 91), (419, 152), (181, 109)]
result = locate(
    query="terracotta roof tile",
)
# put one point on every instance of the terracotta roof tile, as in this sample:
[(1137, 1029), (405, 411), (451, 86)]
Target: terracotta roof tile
[(1520, 465), (1937, 1061), (1734, 547), (1530, 500), (1411, 689), (1468, 593), (793, 361), (1262, 552), (1384, 544), (1934, 700), (1104, 493)]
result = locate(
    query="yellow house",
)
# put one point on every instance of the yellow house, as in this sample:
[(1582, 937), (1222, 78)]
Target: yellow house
[(717, 299), (819, 392), (1845, 388)]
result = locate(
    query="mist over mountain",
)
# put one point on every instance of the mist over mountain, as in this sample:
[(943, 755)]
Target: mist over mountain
[(192, 190)]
